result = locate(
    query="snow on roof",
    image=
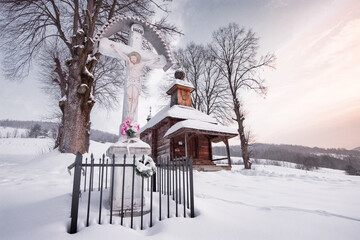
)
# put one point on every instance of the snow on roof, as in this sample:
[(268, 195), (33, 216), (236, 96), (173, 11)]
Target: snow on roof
[(178, 111), (200, 125), (180, 83)]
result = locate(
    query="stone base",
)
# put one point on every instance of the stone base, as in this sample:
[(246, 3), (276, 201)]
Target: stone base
[(129, 146), (132, 146)]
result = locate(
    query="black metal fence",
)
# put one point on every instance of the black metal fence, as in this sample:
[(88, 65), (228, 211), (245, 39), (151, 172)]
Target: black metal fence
[(168, 193)]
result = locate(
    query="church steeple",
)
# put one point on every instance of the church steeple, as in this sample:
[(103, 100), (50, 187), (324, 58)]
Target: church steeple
[(180, 90)]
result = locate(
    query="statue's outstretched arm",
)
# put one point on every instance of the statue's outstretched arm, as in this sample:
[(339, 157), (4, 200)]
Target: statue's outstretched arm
[(152, 61), (123, 55)]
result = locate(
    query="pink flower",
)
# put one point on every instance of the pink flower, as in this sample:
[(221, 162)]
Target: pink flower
[(135, 127), (123, 132), (127, 121)]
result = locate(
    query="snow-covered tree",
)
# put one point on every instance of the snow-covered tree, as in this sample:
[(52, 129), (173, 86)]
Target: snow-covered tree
[(63, 31)]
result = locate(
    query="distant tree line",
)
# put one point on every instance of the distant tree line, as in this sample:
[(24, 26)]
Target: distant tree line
[(39, 129), (26, 124), (36, 129), (306, 157)]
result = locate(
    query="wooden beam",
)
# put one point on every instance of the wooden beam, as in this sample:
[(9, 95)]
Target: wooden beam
[(218, 159), (226, 141), (210, 149), (154, 138)]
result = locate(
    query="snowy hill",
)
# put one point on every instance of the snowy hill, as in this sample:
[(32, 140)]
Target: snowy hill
[(312, 157), (267, 202)]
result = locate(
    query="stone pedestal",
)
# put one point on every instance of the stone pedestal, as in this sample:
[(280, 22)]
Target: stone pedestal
[(130, 147)]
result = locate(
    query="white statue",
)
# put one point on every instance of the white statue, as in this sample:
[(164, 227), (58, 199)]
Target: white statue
[(136, 58), (133, 83)]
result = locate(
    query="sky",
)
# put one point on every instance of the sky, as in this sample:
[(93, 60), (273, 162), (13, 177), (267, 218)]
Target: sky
[(313, 95)]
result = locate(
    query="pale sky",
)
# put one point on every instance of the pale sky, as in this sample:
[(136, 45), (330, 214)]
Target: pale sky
[(314, 93)]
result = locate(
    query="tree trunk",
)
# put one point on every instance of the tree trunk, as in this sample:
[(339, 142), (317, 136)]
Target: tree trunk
[(243, 141), (76, 121), (79, 101), (60, 133), (244, 146)]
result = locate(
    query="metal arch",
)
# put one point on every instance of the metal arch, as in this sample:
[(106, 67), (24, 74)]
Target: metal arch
[(123, 23)]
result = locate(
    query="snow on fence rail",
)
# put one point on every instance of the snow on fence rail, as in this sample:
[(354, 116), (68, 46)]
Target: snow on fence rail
[(167, 193)]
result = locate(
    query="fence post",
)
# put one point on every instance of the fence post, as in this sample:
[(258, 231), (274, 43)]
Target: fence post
[(112, 187), (102, 186), (168, 186), (192, 208), (151, 198), (75, 193), (132, 193)]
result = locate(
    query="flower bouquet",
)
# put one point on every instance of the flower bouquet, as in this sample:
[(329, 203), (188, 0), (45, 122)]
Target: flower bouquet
[(129, 128)]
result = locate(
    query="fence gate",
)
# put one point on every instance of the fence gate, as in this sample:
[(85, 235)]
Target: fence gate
[(93, 191)]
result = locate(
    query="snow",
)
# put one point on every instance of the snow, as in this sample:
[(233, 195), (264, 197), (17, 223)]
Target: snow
[(199, 125), (81, 31), (91, 58), (63, 99), (267, 202), (180, 112), (87, 73), (79, 46), (9, 132), (181, 83), (91, 99)]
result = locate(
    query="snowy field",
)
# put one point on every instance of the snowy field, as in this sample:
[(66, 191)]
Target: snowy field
[(9, 132), (267, 202)]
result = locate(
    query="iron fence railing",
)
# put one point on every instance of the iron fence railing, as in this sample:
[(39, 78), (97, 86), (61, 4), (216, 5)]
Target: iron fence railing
[(168, 193)]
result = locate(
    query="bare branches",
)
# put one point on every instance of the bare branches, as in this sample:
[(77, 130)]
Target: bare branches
[(235, 52), (167, 29), (109, 80), (26, 27), (192, 59), (209, 93), (76, 16)]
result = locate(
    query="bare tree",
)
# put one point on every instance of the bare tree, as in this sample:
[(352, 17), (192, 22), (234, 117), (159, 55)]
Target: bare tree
[(215, 101), (30, 28), (192, 59), (200, 68), (235, 51)]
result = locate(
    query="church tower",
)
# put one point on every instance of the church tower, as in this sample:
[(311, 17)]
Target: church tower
[(180, 90)]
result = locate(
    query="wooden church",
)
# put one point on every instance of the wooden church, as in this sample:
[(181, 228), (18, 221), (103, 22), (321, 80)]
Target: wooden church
[(179, 130)]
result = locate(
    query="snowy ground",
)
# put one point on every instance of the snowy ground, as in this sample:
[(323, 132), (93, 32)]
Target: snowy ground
[(267, 202), (9, 132)]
